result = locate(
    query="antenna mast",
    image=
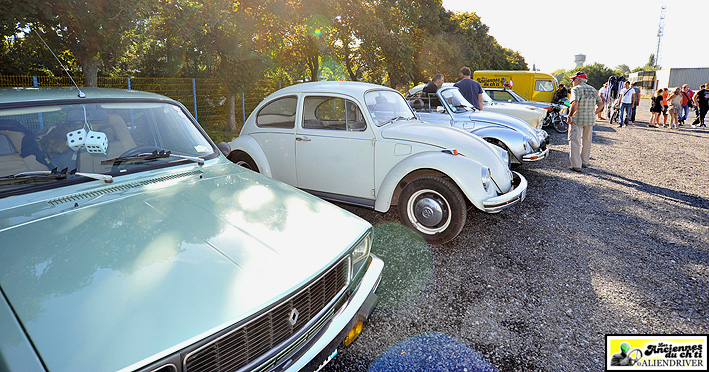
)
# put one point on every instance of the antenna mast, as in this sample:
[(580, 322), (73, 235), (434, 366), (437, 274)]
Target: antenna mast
[(660, 32)]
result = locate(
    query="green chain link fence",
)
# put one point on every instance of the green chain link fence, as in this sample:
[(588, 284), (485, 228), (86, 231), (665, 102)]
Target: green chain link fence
[(205, 98)]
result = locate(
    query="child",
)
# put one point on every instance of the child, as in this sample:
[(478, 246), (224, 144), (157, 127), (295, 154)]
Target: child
[(656, 109)]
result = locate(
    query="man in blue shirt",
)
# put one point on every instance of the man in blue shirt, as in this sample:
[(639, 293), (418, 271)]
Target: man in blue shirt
[(471, 89)]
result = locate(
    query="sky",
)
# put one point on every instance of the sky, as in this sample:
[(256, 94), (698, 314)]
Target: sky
[(548, 34)]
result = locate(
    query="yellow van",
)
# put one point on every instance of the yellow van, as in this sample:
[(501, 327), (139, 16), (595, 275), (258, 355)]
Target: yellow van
[(532, 85)]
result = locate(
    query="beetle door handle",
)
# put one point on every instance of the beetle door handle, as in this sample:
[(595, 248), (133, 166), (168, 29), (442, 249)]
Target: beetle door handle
[(303, 139)]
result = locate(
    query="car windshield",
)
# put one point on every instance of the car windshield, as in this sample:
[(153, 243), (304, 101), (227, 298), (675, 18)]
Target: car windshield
[(46, 144), (487, 99), (517, 96), (385, 107), (455, 100)]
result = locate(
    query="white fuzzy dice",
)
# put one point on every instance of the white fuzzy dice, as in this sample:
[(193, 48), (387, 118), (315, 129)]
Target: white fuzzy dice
[(76, 139), (96, 142)]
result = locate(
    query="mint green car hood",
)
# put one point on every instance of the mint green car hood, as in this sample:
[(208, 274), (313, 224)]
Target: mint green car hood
[(138, 274)]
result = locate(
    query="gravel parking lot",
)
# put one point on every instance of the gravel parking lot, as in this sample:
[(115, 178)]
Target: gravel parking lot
[(621, 248)]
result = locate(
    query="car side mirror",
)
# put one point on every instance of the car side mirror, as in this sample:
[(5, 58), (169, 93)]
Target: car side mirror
[(440, 109), (509, 100)]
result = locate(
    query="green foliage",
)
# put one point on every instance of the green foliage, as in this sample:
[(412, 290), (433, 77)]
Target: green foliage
[(597, 74), (391, 42)]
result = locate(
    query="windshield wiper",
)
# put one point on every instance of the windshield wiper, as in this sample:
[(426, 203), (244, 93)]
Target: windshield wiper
[(50, 175), (397, 118), (162, 154)]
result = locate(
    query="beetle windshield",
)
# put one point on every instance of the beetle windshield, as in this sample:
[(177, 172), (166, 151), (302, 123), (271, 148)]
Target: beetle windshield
[(455, 100), (516, 96), (385, 106), (56, 143)]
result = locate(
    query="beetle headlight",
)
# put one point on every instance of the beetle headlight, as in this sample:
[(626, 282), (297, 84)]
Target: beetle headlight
[(486, 177)]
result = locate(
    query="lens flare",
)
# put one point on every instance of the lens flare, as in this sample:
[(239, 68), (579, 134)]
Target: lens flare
[(317, 32)]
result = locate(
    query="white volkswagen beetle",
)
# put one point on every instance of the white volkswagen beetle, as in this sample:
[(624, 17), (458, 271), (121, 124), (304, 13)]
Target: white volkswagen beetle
[(361, 144)]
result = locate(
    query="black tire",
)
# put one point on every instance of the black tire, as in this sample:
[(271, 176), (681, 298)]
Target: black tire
[(433, 207), (243, 160), (615, 116), (560, 124)]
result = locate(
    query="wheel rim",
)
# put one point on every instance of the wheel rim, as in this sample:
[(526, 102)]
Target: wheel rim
[(428, 211), (245, 164)]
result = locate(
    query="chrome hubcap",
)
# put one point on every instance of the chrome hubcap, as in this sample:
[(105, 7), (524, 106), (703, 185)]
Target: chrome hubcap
[(428, 211)]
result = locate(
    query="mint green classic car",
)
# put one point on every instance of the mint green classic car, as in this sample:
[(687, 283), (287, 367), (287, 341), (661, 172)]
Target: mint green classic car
[(129, 243)]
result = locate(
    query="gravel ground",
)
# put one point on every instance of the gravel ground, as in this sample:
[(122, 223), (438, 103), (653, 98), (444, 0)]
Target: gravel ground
[(621, 248)]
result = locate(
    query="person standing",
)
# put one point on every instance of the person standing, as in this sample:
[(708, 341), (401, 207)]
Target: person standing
[(636, 101), (675, 101), (585, 105), (470, 89), (656, 109), (687, 103), (433, 85), (702, 101), (603, 93), (626, 98), (665, 106)]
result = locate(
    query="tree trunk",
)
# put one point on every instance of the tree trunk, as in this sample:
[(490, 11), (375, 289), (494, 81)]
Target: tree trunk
[(232, 111), (91, 72)]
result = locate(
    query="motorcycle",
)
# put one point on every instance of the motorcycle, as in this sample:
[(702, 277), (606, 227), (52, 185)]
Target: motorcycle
[(557, 118)]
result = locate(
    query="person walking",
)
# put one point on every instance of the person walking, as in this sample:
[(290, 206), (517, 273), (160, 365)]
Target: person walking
[(702, 101), (585, 105), (636, 101), (627, 98), (675, 101), (687, 103), (470, 89), (656, 109), (603, 93)]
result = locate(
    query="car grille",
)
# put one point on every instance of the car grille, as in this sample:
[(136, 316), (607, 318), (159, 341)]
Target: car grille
[(248, 342)]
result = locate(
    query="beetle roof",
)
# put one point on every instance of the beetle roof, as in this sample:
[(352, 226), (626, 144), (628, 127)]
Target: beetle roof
[(349, 87)]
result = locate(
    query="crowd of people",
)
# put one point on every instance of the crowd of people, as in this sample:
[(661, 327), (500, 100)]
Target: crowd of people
[(672, 105)]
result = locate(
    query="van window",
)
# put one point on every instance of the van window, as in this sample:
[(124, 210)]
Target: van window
[(544, 86)]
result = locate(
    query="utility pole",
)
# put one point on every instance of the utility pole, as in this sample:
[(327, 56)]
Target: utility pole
[(660, 32)]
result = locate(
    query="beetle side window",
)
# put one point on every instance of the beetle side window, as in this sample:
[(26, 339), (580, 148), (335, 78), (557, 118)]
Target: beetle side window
[(278, 114), (332, 113), (543, 86), (500, 95)]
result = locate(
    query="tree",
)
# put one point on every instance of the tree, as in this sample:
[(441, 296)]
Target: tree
[(94, 31)]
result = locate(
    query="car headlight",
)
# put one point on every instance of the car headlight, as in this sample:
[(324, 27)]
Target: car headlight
[(486, 177), (360, 252)]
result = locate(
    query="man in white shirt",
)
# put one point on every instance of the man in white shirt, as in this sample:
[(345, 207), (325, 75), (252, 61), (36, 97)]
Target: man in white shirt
[(627, 98), (603, 93)]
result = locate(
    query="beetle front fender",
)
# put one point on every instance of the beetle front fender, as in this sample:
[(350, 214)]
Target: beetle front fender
[(513, 140), (463, 171), (247, 144)]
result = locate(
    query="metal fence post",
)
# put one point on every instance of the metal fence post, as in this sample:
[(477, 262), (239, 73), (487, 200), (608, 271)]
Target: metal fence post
[(243, 108), (128, 79), (194, 98), (35, 83)]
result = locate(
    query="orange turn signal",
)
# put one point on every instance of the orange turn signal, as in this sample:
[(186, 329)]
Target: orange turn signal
[(354, 332)]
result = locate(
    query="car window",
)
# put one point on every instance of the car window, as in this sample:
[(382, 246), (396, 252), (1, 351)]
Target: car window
[(544, 86), (499, 95), (424, 102), (278, 114), (386, 106), (456, 101), (332, 113), (78, 137)]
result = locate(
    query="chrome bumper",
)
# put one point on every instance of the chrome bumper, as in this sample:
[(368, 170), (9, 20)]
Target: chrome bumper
[(512, 197), (321, 348), (539, 155)]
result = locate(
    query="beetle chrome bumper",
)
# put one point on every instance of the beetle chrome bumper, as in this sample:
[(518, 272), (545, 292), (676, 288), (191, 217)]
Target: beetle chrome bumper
[(539, 155), (318, 351), (512, 197)]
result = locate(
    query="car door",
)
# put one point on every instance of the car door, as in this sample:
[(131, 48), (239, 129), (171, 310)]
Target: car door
[(334, 148), (276, 128)]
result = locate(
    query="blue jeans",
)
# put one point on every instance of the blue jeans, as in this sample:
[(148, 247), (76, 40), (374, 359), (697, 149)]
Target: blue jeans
[(625, 107), (683, 113)]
